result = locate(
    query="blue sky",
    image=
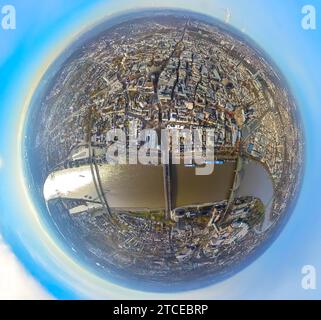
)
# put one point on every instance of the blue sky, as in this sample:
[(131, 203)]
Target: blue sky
[(45, 27)]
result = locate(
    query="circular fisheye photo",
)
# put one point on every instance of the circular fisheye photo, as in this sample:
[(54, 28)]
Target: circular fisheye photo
[(163, 150)]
